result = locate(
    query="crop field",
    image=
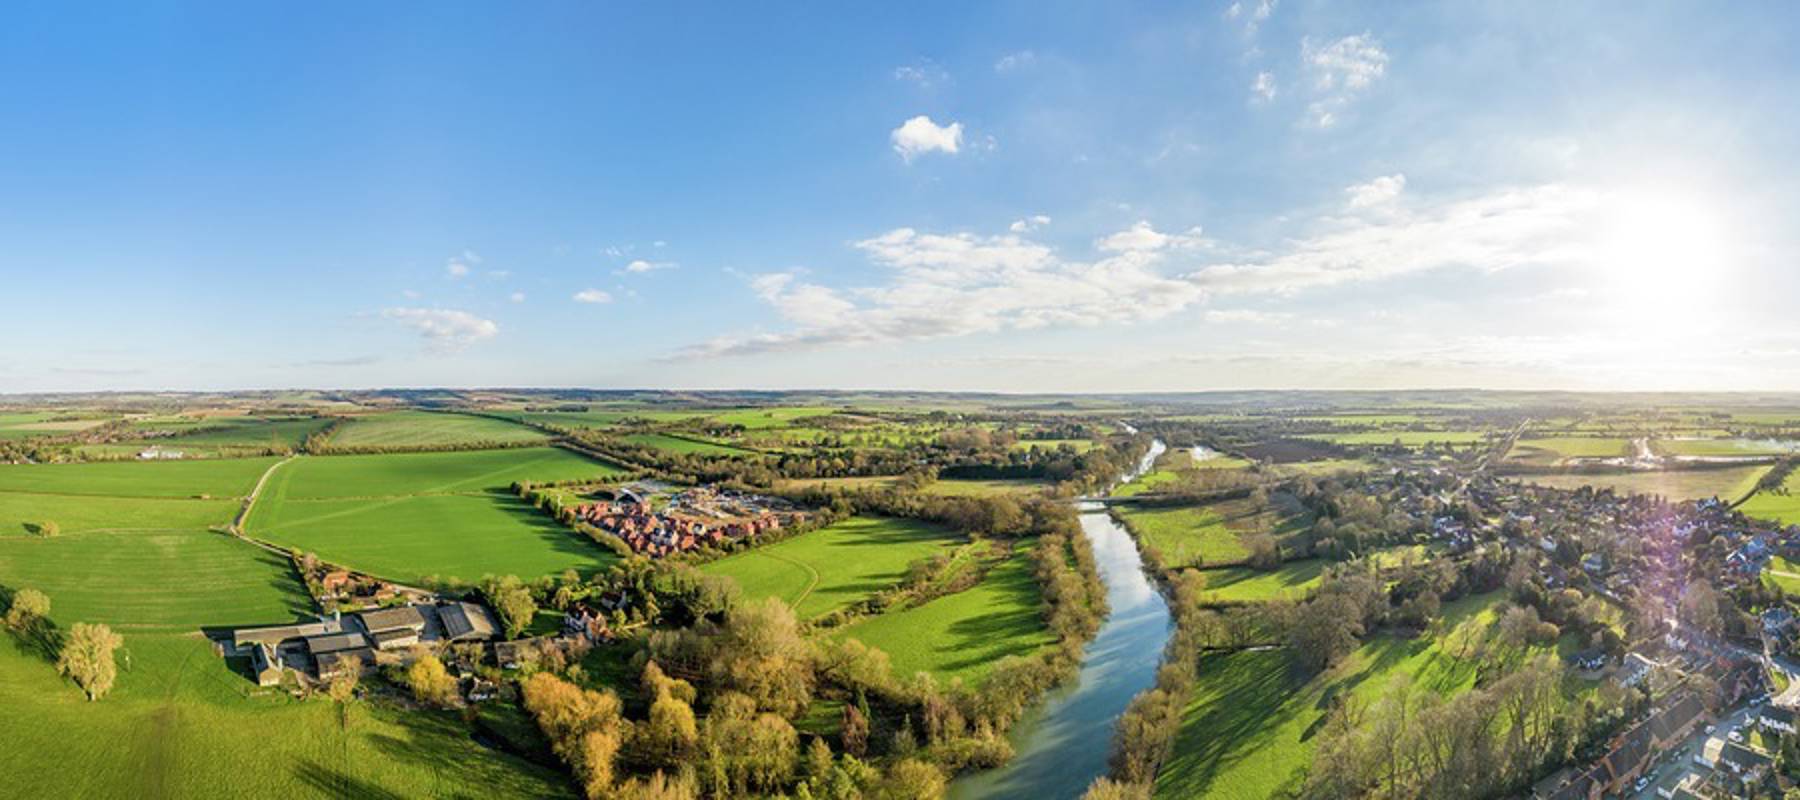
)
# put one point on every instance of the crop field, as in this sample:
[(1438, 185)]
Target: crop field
[(1248, 732), (679, 444), (1724, 447), (1210, 534), (1782, 506), (1324, 466), (222, 437), (390, 474), (1557, 448), (1245, 585), (760, 418), (822, 571), (1688, 484), (1404, 438), (963, 634), (954, 487), (181, 724), (1080, 445), (78, 513), (219, 478), (27, 424), (428, 429), (408, 516)]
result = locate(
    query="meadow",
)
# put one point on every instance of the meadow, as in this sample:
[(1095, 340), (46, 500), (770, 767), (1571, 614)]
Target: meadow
[(1783, 506), (1245, 585), (1248, 731), (1723, 447), (778, 417), (208, 478), (1552, 450), (1688, 484), (390, 474), (28, 424), (1211, 534), (1783, 573), (822, 571), (960, 636), (1403, 438), (409, 516), (684, 445), (428, 429)]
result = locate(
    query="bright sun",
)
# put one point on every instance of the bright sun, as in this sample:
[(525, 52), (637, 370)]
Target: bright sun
[(1664, 254)]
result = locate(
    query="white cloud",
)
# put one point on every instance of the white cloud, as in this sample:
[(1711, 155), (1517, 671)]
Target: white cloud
[(458, 266), (1029, 224), (920, 135), (1253, 16), (641, 266), (925, 74), (517, 297), (1263, 89), (1015, 61), (1376, 192), (592, 296), (958, 284), (1142, 237), (444, 329), (1340, 71)]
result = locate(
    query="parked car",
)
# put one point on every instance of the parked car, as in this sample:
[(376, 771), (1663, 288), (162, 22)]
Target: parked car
[(1641, 783), (1711, 728), (1736, 736)]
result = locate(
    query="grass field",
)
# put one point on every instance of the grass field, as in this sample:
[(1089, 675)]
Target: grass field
[(407, 516), (214, 478), (1246, 585), (390, 474), (27, 424), (677, 444), (1782, 506), (1248, 732), (760, 418), (983, 488), (180, 724), (1723, 447), (963, 634), (1080, 445), (1324, 466), (428, 429), (853, 483), (1783, 573), (1692, 484), (1554, 449), (224, 434), (822, 571), (1210, 534), (1405, 438)]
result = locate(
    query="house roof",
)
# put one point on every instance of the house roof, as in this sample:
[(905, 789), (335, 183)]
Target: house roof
[(466, 621), (1670, 721), (1778, 714), (334, 642), (383, 638), (330, 661), (1630, 752), (390, 618), (276, 634), (1744, 757)]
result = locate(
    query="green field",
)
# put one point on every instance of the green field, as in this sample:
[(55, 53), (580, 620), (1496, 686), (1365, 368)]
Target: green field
[(954, 487), (685, 446), (389, 474), (428, 429), (963, 634), (1783, 573), (760, 418), (1210, 534), (1722, 447), (224, 435), (1404, 438), (27, 424), (1782, 506), (181, 724), (1248, 731), (1690, 484), (1554, 449), (1173, 467), (1245, 585), (822, 571), (215, 478), (1080, 445), (407, 516)]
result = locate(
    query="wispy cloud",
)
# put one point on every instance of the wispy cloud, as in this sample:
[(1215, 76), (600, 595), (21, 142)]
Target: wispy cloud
[(444, 329), (1029, 224), (1015, 61), (640, 266), (1376, 192), (1263, 88), (1340, 70), (592, 296), (459, 266), (925, 74)]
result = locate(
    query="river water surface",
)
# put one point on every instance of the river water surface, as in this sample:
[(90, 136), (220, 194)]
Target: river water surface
[(1062, 746)]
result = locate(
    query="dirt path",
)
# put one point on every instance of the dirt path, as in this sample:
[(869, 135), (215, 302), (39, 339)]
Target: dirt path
[(237, 525)]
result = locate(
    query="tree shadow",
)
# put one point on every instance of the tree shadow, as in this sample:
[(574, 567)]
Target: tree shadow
[(332, 782), (42, 638)]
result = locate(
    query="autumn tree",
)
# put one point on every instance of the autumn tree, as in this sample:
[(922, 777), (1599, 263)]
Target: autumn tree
[(342, 687), (584, 727), (87, 658), (29, 607), (512, 601), (431, 683)]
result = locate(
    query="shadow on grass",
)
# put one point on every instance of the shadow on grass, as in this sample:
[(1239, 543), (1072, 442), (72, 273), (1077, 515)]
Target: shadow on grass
[(41, 638), (333, 782)]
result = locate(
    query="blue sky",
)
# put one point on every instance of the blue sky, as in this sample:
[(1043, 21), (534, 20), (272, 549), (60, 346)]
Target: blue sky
[(990, 196)]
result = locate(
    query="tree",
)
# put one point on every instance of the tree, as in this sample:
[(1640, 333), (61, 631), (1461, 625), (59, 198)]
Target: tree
[(584, 727), (342, 687), (855, 731), (1324, 630), (761, 653), (29, 607), (669, 735), (1104, 788), (912, 779), (1265, 554), (87, 657), (431, 683), (48, 528), (512, 601)]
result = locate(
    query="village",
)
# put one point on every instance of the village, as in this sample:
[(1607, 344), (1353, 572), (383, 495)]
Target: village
[(687, 520)]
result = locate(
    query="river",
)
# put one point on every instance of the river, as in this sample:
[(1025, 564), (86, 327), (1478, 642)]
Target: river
[(1062, 746)]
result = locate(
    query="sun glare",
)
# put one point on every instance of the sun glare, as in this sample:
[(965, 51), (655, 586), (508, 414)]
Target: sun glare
[(1664, 253)]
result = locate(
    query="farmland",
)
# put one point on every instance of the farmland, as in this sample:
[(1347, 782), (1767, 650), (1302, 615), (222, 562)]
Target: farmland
[(221, 478), (1690, 484), (684, 445), (1782, 506), (1555, 449), (1291, 580), (961, 635), (824, 570), (26, 424), (1248, 730), (1722, 447), (1210, 534), (401, 429), (410, 516)]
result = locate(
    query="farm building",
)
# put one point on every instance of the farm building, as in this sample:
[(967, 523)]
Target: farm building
[(320, 648)]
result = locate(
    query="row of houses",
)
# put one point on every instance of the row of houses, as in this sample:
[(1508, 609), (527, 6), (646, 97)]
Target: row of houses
[(686, 527), (1630, 754), (322, 648)]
